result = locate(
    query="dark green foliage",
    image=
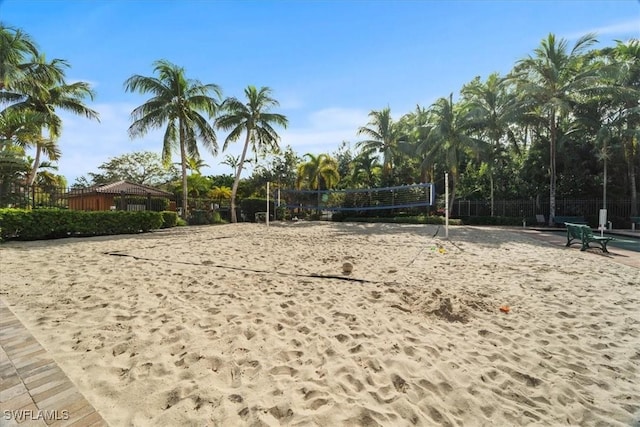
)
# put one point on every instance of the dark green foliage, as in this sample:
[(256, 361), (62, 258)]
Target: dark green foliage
[(40, 224), (198, 217), (250, 206), (204, 217), (169, 219)]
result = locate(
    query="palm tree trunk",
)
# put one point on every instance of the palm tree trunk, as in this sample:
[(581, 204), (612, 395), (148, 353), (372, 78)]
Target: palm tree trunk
[(552, 169), (491, 183), (31, 177), (452, 196), (236, 181), (183, 164), (631, 156)]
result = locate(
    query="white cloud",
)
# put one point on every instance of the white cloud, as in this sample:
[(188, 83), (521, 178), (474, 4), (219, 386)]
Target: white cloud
[(326, 129), (626, 28)]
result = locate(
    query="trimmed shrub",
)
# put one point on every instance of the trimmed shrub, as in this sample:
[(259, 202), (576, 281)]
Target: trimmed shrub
[(40, 224), (198, 217), (169, 219)]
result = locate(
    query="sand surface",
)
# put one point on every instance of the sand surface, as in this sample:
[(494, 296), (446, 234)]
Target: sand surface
[(248, 325)]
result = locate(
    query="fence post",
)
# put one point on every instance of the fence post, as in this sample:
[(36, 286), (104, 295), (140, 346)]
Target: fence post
[(33, 197), (148, 201), (123, 201)]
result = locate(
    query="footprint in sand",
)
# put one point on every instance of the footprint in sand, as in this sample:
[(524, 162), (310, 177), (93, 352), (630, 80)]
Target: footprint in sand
[(283, 370)]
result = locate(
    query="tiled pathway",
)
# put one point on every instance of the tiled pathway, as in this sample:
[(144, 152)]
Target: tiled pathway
[(34, 391)]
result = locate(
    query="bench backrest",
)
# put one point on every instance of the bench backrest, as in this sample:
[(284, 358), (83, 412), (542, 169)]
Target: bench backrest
[(577, 230), (587, 231)]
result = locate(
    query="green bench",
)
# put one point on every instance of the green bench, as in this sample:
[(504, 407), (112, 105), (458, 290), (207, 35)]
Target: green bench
[(585, 235), (560, 220)]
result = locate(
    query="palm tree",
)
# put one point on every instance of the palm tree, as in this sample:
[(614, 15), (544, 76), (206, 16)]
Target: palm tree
[(220, 193), (15, 47), (449, 137), (626, 57), (178, 103), (255, 120), (194, 164), (318, 172), (45, 97), (550, 82), (366, 169), (493, 108), (233, 162), (383, 138), (20, 128), (415, 142)]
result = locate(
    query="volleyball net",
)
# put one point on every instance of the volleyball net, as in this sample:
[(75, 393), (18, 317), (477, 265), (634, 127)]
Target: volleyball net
[(357, 200)]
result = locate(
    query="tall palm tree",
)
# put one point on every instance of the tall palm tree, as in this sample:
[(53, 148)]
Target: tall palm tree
[(318, 172), (383, 138), (178, 103), (550, 82), (414, 143), (493, 109), (255, 120), (449, 137), (47, 96), (626, 57), (15, 47)]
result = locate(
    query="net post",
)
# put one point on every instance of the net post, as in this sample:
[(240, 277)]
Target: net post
[(432, 200), (446, 205), (267, 218)]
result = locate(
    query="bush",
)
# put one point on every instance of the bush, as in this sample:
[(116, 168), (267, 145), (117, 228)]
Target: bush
[(202, 217), (169, 219), (216, 218), (198, 217), (40, 224)]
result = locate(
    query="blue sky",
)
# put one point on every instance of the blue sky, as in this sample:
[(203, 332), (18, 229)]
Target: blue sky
[(329, 63)]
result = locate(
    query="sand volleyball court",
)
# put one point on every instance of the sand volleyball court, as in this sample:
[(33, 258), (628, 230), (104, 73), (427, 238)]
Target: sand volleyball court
[(248, 325)]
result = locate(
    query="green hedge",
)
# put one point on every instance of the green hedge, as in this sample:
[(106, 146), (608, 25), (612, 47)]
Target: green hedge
[(40, 224), (204, 217), (169, 219)]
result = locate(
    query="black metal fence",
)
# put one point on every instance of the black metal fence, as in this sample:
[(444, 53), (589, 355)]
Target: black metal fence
[(619, 208), (21, 196), (34, 197)]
